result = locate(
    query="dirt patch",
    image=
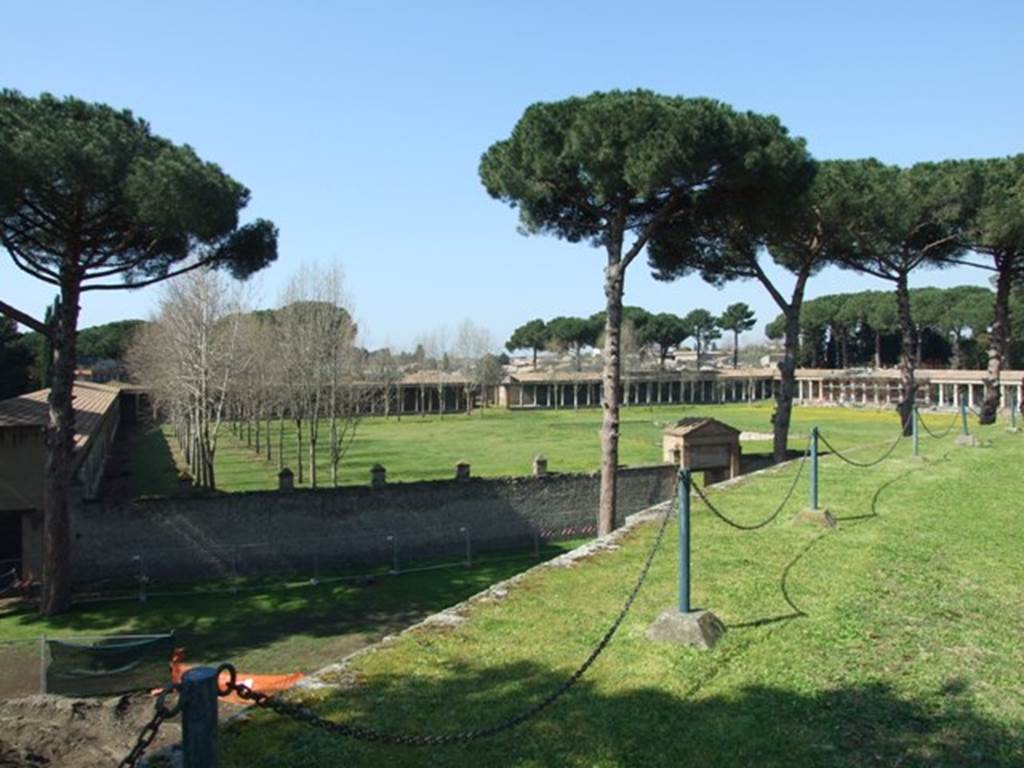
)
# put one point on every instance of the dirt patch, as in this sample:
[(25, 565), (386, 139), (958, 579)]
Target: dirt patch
[(74, 733)]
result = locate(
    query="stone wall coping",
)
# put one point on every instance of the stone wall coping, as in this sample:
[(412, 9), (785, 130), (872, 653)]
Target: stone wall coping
[(393, 486)]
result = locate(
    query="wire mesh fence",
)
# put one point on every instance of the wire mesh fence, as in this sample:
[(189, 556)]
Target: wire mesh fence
[(165, 570), (265, 566)]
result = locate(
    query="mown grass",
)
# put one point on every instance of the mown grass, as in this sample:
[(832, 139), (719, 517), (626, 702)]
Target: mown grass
[(499, 442), (892, 640)]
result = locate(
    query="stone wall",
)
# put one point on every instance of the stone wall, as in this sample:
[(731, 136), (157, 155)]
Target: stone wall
[(308, 531)]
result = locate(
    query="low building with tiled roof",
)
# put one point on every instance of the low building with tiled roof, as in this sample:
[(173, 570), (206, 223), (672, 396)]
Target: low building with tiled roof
[(23, 422)]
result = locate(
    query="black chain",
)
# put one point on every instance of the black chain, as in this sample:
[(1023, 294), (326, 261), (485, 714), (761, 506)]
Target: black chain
[(940, 435), (855, 463), (304, 714), (149, 731), (741, 526)]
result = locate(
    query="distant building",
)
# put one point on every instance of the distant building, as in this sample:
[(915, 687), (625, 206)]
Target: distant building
[(23, 423)]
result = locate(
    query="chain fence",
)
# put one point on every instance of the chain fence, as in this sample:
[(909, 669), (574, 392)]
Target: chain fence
[(863, 464), (150, 730), (303, 714), (768, 520), (943, 433)]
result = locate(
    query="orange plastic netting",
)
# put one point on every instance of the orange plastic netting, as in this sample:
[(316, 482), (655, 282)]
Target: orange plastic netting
[(262, 683)]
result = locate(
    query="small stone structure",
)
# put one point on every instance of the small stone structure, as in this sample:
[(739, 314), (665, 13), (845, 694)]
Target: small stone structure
[(378, 476), (285, 480), (540, 466), (462, 470), (698, 443)]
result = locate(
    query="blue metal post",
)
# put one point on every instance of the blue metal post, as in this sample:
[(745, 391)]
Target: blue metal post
[(916, 434), (685, 480), (199, 717), (963, 415), (814, 468)]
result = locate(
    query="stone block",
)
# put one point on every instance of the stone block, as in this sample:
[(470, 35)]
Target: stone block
[(820, 517), (696, 629), (285, 480), (540, 466), (970, 440)]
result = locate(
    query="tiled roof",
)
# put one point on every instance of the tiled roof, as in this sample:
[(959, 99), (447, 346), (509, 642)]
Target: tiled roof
[(91, 401), (693, 423)]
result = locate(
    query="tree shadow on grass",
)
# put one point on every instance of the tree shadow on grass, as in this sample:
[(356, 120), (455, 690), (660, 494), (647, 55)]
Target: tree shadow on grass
[(854, 725)]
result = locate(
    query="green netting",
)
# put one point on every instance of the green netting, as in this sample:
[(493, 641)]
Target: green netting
[(109, 665)]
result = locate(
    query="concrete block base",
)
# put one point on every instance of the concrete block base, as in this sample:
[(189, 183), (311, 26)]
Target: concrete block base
[(696, 629), (820, 517), (970, 440), (1013, 430)]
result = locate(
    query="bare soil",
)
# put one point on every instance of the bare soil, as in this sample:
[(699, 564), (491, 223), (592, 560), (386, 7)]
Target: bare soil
[(74, 733)]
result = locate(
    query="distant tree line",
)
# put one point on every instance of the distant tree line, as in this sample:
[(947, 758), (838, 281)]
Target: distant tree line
[(25, 358), (952, 328), (644, 334)]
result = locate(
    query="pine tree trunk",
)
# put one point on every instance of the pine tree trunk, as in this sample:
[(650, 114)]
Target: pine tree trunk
[(908, 385), (55, 595), (612, 392), (787, 385), (736, 349), (878, 349), (999, 345)]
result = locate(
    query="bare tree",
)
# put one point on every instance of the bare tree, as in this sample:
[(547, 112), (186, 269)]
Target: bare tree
[(319, 342), (188, 357), (472, 344), (386, 374), (437, 349)]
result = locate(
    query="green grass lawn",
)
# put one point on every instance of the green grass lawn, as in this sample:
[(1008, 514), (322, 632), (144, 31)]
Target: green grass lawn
[(501, 442), (896, 639)]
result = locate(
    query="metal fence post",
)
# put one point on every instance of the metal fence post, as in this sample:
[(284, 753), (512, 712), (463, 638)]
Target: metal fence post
[(234, 569), (914, 431), (684, 540), (469, 547), (42, 663), (1013, 411), (199, 717), (963, 415), (394, 553), (142, 577), (814, 468)]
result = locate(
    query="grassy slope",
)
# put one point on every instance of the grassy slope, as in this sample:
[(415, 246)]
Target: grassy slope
[(894, 640), (501, 442)]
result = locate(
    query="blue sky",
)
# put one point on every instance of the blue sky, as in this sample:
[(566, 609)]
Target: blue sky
[(359, 126)]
